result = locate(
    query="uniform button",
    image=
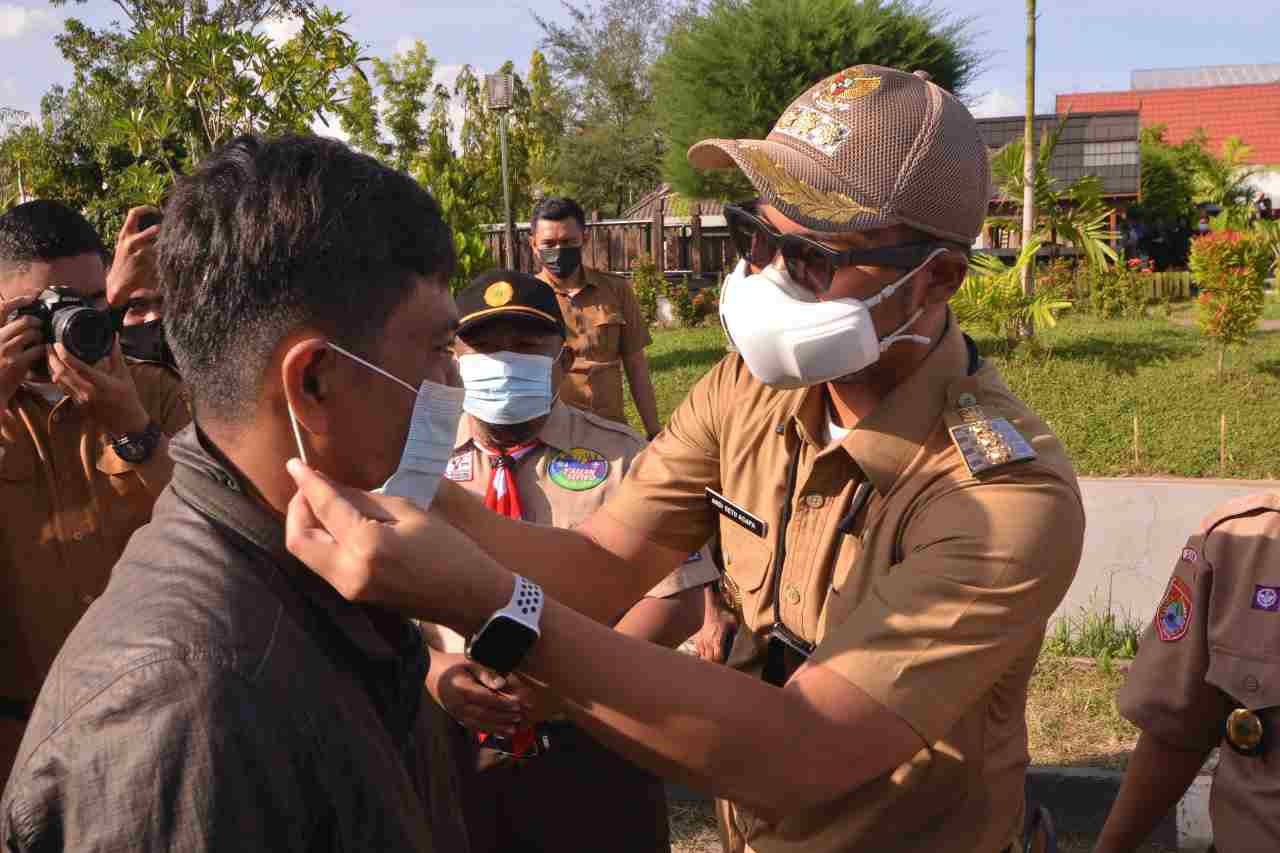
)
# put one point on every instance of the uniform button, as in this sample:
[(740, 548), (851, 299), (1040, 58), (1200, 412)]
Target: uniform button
[(793, 594), (967, 400), (57, 417), (728, 558), (1251, 684), (814, 500)]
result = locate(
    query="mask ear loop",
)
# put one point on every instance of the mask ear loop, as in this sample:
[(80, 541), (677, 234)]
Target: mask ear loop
[(896, 335)]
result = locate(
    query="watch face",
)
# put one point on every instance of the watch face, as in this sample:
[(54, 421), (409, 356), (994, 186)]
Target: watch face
[(131, 451), (501, 644)]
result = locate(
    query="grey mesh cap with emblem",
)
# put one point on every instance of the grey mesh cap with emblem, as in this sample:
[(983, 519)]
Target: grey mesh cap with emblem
[(868, 148)]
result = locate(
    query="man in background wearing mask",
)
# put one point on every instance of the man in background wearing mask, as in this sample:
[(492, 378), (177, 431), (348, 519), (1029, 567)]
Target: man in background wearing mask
[(132, 288), (898, 526), (83, 453), (606, 330), (531, 457), (218, 696)]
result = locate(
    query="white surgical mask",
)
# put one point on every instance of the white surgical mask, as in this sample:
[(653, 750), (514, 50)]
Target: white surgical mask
[(791, 339), (506, 388), (433, 429)]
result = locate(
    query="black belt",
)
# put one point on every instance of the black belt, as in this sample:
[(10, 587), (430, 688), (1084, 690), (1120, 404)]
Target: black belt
[(15, 709)]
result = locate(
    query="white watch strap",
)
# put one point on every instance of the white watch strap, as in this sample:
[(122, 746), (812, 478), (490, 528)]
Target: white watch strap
[(525, 605)]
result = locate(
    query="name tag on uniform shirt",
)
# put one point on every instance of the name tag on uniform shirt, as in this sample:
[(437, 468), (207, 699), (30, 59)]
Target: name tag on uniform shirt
[(459, 469), (737, 514)]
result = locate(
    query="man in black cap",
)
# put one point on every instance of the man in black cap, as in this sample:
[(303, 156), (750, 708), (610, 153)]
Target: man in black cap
[(532, 457)]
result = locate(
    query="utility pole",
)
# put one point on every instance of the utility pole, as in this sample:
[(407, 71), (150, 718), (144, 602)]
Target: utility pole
[(1029, 157), (499, 92)]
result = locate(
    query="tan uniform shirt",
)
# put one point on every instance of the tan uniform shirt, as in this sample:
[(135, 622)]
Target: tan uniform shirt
[(582, 460), (934, 602), (68, 505), (604, 324), (1213, 646)]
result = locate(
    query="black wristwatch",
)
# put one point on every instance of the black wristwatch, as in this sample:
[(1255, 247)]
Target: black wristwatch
[(137, 447), (504, 640)]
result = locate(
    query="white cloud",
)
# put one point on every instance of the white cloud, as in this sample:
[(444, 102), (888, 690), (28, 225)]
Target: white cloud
[(997, 102), (281, 30), (404, 44), (8, 87), (16, 21)]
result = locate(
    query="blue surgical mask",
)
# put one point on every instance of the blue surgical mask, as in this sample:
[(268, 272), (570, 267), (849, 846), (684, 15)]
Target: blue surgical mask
[(506, 388)]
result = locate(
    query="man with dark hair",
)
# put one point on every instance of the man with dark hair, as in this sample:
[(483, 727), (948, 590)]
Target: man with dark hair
[(217, 696), (606, 330), (82, 446)]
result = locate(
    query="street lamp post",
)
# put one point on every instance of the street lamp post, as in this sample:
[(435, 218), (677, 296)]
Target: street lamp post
[(498, 91)]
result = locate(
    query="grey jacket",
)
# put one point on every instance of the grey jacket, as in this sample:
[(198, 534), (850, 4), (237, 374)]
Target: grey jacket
[(220, 696)]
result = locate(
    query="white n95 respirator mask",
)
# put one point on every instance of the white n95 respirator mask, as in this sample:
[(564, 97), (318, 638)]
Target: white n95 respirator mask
[(791, 339)]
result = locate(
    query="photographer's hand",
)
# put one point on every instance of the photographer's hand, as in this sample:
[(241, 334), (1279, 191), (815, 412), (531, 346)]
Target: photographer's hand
[(21, 347), (106, 389), (134, 266)]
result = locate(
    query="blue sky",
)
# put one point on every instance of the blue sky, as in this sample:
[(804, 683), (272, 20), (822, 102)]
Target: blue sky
[(1085, 45)]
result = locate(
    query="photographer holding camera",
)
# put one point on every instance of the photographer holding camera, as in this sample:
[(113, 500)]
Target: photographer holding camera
[(83, 447)]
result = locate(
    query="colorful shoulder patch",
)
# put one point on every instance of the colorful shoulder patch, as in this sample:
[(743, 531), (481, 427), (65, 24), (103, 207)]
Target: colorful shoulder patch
[(460, 467), (578, 470), (1173, 617)]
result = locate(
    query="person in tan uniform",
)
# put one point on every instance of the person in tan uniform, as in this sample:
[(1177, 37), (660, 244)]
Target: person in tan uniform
[(898, 526), (1208, 675), (530, 456), (83, 453), (606, 330)]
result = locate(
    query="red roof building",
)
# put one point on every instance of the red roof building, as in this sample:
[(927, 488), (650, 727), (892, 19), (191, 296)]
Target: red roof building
[(1208, 98)]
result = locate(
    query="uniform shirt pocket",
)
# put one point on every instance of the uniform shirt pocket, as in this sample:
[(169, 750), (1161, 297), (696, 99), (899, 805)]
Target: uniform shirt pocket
[(1251, 681), (746, 559), (604, 333)]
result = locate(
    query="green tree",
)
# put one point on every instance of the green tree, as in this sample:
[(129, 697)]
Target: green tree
[(1222, 179), (603, 58), (732, 70), (407, 84), (1230, 267), (359, 119)]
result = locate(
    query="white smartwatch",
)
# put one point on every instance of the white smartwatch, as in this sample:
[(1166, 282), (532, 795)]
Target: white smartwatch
[(506, 637)]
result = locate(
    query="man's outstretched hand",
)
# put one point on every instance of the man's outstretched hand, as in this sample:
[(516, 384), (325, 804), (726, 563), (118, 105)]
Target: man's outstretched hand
[(389, 552)]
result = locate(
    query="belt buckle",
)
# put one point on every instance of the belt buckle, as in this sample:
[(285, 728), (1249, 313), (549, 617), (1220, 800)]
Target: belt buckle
[(784, 635)]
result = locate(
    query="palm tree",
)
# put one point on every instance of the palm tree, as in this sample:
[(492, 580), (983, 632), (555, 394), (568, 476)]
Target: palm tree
[(1222, 179), (1076, 213)]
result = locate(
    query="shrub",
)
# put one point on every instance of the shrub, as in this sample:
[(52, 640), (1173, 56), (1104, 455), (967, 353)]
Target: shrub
[(991, 296), (1230, 267), (647, 284), (682, 303), (1117, 291)]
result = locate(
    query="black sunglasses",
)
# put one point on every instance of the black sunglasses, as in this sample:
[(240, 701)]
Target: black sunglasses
[(809, 263)]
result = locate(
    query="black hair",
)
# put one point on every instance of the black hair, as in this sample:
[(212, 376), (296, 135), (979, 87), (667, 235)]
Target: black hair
[(272, 233), (42, 231), (557, 210)]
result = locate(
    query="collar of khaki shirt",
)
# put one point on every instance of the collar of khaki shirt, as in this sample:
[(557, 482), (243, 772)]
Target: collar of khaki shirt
[(582, 279), (212, 484), (555, 433), (891, 436)]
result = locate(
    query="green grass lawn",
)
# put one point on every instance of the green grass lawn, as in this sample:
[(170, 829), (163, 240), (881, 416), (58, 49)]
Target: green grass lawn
[(1088, 378)]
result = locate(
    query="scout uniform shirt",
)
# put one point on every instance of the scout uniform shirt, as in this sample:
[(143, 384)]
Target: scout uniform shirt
[(1212, 648), (603, 321), (68, 505), (581, 460), (929, 592)]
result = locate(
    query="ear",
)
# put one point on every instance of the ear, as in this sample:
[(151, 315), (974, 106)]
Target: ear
[(306, 376), (946, 273)]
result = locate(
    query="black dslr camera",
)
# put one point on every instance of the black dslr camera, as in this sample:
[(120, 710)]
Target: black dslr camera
[(68, 318)]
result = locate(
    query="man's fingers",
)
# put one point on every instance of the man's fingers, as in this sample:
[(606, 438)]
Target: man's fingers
[(20, 326), (342, 510), (308, 540), (131, 218)]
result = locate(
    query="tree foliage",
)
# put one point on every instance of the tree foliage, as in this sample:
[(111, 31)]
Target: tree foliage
[(991, 297), (1230, 267), (732, 70)]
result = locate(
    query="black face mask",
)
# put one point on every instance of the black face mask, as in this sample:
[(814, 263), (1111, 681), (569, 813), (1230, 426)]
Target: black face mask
[(562, 261), (145, 342)]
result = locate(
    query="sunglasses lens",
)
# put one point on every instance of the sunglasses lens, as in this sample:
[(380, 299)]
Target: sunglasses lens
[(751, 239), (808, 266)]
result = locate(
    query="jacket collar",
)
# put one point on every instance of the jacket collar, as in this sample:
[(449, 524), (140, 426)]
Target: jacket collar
[(214, 487)]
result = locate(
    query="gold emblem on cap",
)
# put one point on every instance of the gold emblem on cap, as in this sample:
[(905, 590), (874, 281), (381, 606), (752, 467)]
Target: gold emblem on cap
[(498, 294), (850, 86), (833, 207), (1244, 731)]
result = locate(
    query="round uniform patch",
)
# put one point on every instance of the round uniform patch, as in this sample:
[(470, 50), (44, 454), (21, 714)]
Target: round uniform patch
[(498, 294), (578, 470), (1173, 618)]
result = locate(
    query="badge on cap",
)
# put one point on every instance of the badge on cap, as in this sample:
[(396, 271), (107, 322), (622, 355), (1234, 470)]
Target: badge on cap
[(1173, 617), (845, 88), (1266, 598), (498, 294), (578, 470), (1245, 732)]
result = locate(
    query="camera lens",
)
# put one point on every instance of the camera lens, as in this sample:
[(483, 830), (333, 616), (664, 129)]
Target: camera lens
[(87, 334)]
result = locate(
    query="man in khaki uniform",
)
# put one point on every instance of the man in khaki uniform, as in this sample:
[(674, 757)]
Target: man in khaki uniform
[(606, 331), (1208, 675), (69, 499), (565, 463), (898, 526)]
